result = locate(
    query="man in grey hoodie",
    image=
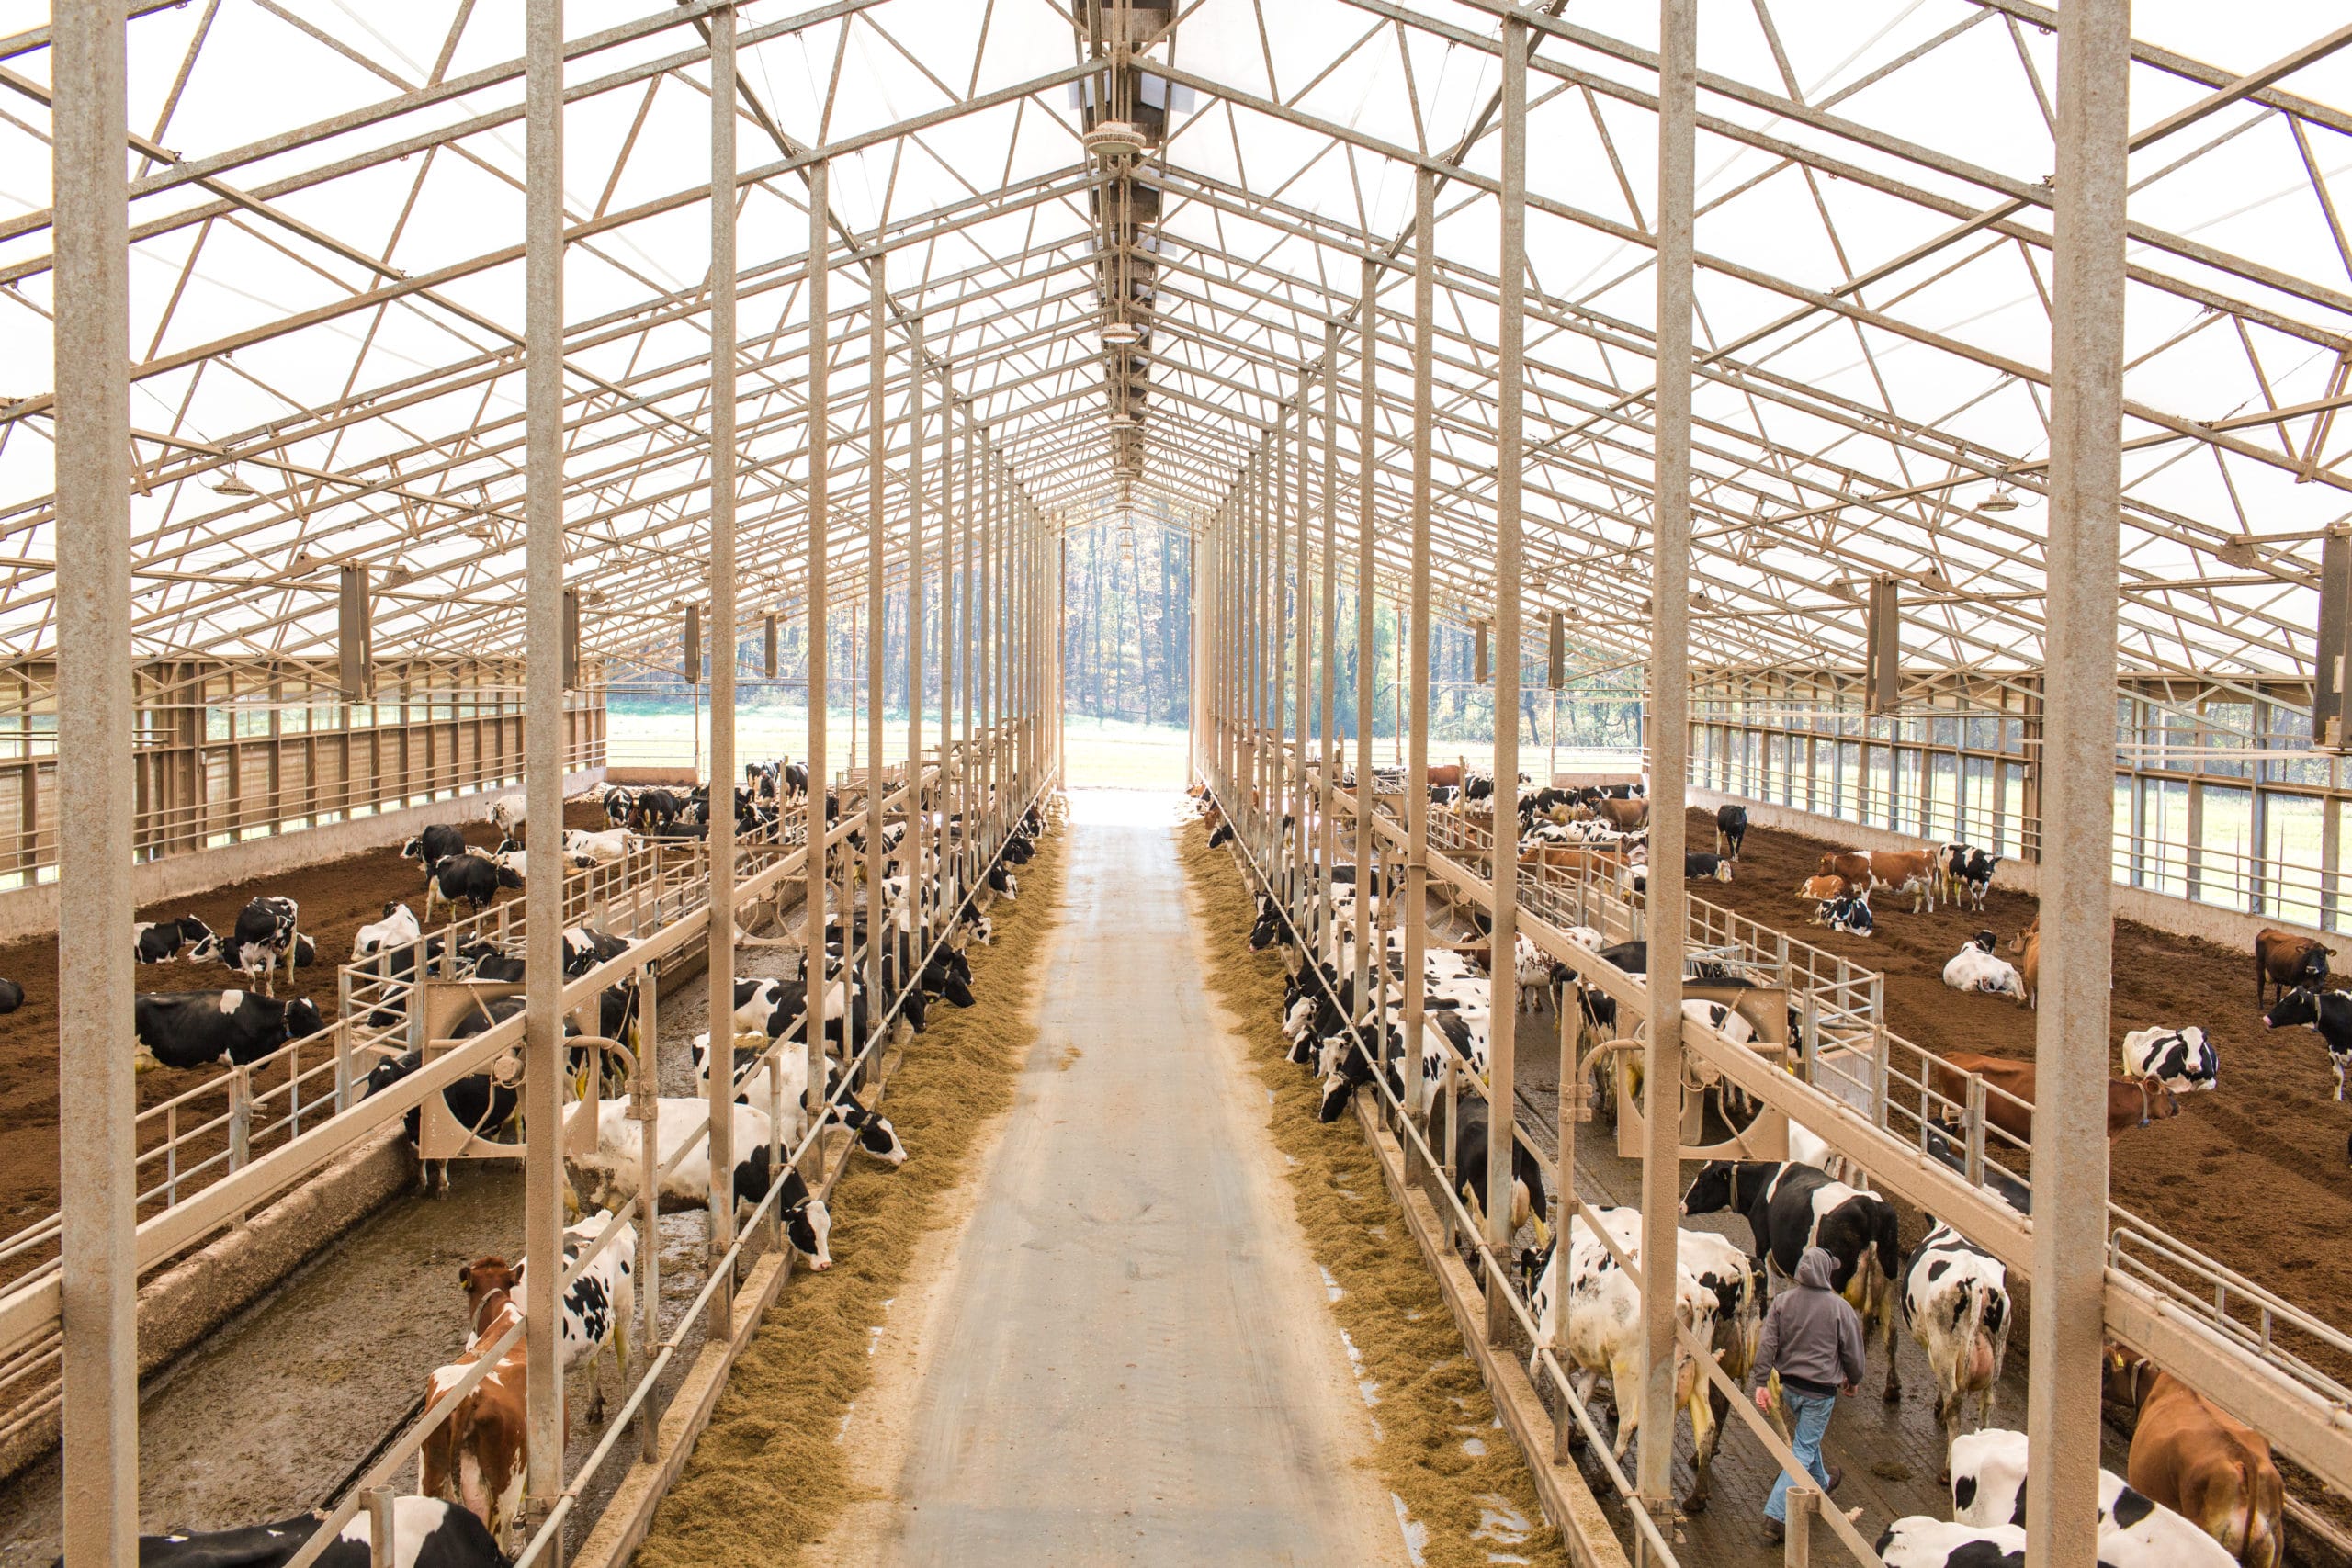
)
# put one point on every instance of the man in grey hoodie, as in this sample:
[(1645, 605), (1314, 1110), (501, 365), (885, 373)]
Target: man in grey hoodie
[(1814, 1339)]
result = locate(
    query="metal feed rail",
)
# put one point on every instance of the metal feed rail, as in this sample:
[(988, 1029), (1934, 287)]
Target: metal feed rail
[(2184, 1310), (382, 1472), (652, 883), (29, 1308)]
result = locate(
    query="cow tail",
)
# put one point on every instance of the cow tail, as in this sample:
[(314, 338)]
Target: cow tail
[(1890, 1249), (2266, 1509)]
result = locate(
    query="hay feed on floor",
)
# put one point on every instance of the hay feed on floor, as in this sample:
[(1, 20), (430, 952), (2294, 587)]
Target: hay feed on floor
[(768, 1478), (1441, 1449)]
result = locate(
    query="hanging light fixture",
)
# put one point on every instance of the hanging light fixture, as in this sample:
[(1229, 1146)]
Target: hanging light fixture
[(1114, 141), (2003, 499), (230, 484), (1121, 334)]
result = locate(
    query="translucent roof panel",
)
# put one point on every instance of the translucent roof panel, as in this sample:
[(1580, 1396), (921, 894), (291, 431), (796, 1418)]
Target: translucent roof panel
[(327, 303)]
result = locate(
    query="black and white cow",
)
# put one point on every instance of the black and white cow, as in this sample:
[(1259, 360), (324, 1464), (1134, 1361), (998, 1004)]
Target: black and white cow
[(1919, 1541), (654, 808), (2328, 1014), (427, 1532), (2183, 1058), (1790, 1207), (1270, 923), (397, 927), (196, 1029), (872, 1132), (1731, 830), (160, 942), (596, 1309), (2007, 1189), (583, 949), (999, 883), (483, 1108), (1973, 880), (1470, 1169), (1956, 1305), (472, 878), (612, 1170), (267, 932), (1988, 1470), (433, 846), (1704, 868), (1850, 915)]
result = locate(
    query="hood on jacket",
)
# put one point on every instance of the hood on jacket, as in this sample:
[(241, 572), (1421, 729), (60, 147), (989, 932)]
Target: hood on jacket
[(1815, 1268)]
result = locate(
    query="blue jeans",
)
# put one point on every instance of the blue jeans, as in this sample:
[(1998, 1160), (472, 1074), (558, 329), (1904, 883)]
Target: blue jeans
[(1808, 1424)]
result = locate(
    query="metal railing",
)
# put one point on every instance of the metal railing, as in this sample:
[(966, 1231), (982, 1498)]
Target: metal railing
[(1878, 1108)]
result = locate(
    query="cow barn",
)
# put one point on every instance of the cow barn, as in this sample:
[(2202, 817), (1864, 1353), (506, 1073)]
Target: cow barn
[(1173, 780)]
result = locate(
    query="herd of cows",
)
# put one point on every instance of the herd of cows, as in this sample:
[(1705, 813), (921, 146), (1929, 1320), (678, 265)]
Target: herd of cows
[(2202, 1488), (474, 1462)]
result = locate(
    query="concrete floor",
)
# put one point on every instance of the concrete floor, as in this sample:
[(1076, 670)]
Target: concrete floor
[(1132, 1360)]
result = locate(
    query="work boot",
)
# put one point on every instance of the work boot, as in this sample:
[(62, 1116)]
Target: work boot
[(1836, 1477), (1775, 1532)]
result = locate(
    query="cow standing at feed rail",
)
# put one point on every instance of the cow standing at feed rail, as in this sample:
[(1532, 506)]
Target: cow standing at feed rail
[(610, 1173), (1470, 1169), (1790, 1208), (2183, 1058), (160, 942), (584, 949), (1956, 1305), (1731, 830), (1976, 968), (2284, 962), (2193, 1458), (596, 1310), (1604, 1333), (268, 930), (2131, 1102), (479, 1450), (2328, 1014), (433, 846), (872, 1134), (197, 1028), (427, 1532)]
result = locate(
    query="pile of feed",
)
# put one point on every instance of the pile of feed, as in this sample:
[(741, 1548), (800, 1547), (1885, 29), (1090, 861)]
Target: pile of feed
[(1455, 1472), (768, 1476)]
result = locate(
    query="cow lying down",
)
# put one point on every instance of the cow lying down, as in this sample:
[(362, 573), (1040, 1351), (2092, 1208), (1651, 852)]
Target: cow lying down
[(1988, 1476), (1978, 968)]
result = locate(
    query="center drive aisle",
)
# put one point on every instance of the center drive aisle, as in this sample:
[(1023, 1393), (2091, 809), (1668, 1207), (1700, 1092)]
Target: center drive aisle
[(1129, 1358)]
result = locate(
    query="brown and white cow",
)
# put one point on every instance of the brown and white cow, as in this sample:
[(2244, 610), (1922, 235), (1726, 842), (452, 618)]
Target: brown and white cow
[(476, 1456), (2131, 1102), (2286, 961), (2193, 1458), (1900, 871)]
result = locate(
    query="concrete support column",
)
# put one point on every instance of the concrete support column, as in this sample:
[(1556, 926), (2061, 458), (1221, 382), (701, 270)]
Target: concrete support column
[(974, 481), (1669, 736), (1367, 660), (821, 465), (915, 498), (877, 435), (1327, 943), (543, 1072), (97, 1102), (1302, 621), (2071, 1050), (721, 971), (1509, 443), (1417, 755)]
